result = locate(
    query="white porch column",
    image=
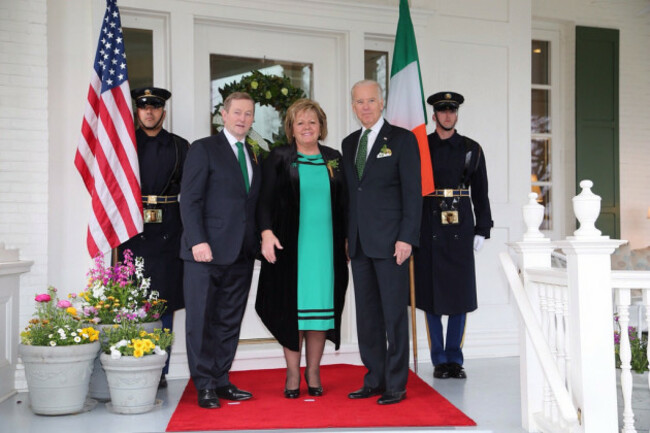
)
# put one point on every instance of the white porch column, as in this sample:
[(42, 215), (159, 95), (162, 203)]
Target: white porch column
[(593, 374), (534, 252), (10, 269)]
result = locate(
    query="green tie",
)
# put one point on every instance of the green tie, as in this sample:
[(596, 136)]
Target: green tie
[(360, 162), (242, 163)]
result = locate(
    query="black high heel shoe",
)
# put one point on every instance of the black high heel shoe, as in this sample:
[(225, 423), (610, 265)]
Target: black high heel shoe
[(291, 393), (313, 391)]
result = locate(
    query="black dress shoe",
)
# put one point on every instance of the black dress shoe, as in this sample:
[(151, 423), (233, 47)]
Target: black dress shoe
[(292, 393), (208, 399), (365, 392), (441, 371), (163, 382), (231, 392), (314, 391), (456, 371), (391, 397)]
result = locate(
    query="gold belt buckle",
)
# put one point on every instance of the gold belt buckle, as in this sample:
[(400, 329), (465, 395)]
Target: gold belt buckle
[(152, 199), (152, 216), (449, 217), (448, 192)]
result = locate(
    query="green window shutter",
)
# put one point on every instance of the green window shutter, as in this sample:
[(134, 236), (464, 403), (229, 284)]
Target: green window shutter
[(597, 120)]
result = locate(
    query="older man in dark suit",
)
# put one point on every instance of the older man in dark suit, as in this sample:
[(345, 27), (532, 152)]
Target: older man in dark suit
[(219, 193), (382, 168)]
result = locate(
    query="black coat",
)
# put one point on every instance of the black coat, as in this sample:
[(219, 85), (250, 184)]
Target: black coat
[(161, 169), (278, 210), (445, 277)]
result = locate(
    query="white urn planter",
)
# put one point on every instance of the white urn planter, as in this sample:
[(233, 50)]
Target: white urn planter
[(58, 377), (133, 382), (98, 384)]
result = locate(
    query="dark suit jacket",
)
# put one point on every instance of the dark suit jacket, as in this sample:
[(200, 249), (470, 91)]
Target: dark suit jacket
[(386, 203), (279, 210), (214, 205)]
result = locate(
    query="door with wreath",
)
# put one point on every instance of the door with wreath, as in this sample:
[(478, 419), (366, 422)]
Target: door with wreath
[(276, 66)]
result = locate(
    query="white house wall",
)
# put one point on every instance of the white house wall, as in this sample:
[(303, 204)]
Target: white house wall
[(632, 18), (481, 49)]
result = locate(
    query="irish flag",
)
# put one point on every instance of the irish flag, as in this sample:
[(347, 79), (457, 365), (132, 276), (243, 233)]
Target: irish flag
[(405, 106)]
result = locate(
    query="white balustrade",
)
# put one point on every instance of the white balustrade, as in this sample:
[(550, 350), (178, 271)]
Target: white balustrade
[(569, 312)]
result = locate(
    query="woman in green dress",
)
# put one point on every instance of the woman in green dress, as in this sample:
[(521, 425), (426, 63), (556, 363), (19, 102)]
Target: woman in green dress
[(301, 217)]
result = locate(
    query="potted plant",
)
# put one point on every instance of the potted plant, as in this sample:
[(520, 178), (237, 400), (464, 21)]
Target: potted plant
[(58, 354), (638, 348), (133, 360), (115, 295)]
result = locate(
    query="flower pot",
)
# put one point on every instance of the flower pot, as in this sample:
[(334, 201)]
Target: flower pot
[(98, 385), (58, 377), (133, 382)]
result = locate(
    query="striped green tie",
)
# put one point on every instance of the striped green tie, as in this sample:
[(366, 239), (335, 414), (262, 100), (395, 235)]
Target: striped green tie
[(242, 163), (360, 162)]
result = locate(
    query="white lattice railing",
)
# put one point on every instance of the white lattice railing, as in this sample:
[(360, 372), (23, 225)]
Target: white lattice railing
[(623, 283), (567, 366)]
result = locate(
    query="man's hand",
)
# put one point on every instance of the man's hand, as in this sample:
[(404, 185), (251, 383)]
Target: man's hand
[(402, 252), (202, 252), (478, 242), (269, 243)]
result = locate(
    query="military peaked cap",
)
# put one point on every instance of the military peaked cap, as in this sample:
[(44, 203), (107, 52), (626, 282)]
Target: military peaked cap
[(444, 100), (153, 96)]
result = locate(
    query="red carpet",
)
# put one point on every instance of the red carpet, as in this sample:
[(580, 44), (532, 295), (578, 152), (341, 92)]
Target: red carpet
[(268, 409)]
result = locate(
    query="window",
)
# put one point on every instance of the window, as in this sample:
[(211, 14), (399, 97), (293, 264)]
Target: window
[(228, 69), (376, 68), (139, 59), (542, 128)]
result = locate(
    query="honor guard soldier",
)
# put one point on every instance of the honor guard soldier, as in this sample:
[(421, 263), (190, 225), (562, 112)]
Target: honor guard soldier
[(161, 156), (452, 229)]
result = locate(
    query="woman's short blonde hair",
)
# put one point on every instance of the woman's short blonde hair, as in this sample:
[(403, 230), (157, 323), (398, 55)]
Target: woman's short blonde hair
[(298, 107)]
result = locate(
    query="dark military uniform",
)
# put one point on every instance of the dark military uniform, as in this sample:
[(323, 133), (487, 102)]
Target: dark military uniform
[(161, 161), (445, 278)]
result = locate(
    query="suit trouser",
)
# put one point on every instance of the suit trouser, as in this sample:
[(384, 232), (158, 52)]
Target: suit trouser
[(381, 294), (451, 350), (215, 300)]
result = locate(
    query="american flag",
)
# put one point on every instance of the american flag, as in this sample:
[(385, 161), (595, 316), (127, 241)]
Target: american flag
[(106, 156)]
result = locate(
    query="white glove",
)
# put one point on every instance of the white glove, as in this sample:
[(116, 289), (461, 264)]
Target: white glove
[(478, 242)]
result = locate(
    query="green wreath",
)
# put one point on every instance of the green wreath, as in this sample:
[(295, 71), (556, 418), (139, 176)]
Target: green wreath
[(269, 90)]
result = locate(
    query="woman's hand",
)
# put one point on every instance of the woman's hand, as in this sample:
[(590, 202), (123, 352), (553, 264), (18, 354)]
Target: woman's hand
[(269, 243)]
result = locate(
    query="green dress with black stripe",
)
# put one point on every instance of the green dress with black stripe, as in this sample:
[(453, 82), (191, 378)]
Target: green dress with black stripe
[(315, 246)]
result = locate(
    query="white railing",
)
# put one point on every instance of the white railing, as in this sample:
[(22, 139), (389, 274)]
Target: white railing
[(567, 368), (623, 282)]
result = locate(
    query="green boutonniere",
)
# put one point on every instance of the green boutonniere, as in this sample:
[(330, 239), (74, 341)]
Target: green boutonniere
[(332, 164), (255, 147), (384, 152)]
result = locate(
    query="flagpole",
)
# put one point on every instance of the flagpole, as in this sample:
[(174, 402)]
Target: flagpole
[(414, 325)]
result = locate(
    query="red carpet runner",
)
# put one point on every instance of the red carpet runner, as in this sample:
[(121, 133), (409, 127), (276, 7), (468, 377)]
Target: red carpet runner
[(268, 409)]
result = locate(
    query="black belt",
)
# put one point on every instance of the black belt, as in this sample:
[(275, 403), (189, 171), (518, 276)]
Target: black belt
[(449, 193), (158, 199)]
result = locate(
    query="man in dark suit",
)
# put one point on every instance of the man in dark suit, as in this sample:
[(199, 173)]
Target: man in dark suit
[(219, 193), (161, 156), (382, 168)]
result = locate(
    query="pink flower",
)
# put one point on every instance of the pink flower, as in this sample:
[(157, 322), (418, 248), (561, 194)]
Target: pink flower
[(63, 303), (44, 297)]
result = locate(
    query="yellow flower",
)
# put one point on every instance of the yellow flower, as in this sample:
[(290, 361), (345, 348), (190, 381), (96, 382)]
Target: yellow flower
[(71, 310), (268, 94), (285, 91), (139, 344), (143, 333), (138, 353), (254, 84)]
